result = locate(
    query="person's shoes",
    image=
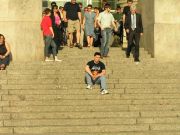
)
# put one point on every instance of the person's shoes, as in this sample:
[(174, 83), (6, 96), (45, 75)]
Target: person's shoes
[(103, 92), (89, 87), (47, 60), (71, 46), (127, 56), (79, 46), (136, 61), (57, 60)]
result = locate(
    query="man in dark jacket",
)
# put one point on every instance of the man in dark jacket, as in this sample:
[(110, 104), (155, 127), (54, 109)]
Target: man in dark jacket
[(133, 26)]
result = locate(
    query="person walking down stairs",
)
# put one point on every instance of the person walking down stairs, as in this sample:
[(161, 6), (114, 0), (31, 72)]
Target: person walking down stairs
[(95, 73), (134, 27), (46, 26), (106, 21)]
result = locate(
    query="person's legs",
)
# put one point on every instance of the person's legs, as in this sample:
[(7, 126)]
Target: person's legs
[(108, 38), (103, 42), (88, 40), (82, 37), (54, 48), (88, 79), (130, 41), (2, 67), (71, 39), (47, 40), (70, 30), (121, 32), (102, 81), (136, 54), (78, 33), (91, 41)]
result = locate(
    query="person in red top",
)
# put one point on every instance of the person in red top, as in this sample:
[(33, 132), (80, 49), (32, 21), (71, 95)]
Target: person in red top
[(46, 26)]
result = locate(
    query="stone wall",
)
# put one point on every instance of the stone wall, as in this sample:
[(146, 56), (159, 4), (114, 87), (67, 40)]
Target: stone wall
[(20, 23), (161, 21)]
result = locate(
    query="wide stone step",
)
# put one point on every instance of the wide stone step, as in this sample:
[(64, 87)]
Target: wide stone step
[(90, 122), (94, 91), (97, 96), (98, 129), (50, 98), (82, 70), (83, 122), (83, 86), (88, 108), (81, 129), (81, 81), (145, 65), (96, 102), (122, 133), (81, 77), (84, 115)]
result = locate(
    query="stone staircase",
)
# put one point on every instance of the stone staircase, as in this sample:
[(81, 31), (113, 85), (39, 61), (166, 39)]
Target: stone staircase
[(51, 99)]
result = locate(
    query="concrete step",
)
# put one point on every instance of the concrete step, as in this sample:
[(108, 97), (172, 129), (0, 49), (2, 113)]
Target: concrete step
[(83, 102), (81, 81), (87, 92), (91, 96), (122, 133), (83, 86), (50, 98)]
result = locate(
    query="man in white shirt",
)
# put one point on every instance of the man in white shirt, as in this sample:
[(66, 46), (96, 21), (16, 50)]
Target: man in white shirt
[(106, 21)]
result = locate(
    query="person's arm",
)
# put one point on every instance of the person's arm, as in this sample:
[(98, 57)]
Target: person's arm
[(113, 23), (124, 15), (84, 21), (141, 25), (95, 21), (8, 50), (65, 12), (87, 69), (126, 25), (115, 26), (99, 21), (64, 16), (103, 73), (124, 18), (51, 29), (79, 16)]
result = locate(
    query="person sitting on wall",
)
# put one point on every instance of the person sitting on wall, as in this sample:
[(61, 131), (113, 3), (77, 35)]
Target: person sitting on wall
[(4, 53)]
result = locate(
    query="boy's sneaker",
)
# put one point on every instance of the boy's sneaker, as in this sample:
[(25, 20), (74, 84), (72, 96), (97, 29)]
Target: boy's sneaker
[(103, 92), (48, 60), (57, 60), (89, 87)]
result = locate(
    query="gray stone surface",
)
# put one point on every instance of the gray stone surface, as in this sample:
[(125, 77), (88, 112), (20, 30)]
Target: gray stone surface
[(161, 28), (20, 23), (50, 98)]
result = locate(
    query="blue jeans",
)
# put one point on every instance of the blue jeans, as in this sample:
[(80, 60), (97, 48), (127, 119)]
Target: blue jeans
[(100, 80), (106, 37)]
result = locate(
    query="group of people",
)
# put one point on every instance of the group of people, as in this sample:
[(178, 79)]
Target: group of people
[(61, 23), (132, 21)]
